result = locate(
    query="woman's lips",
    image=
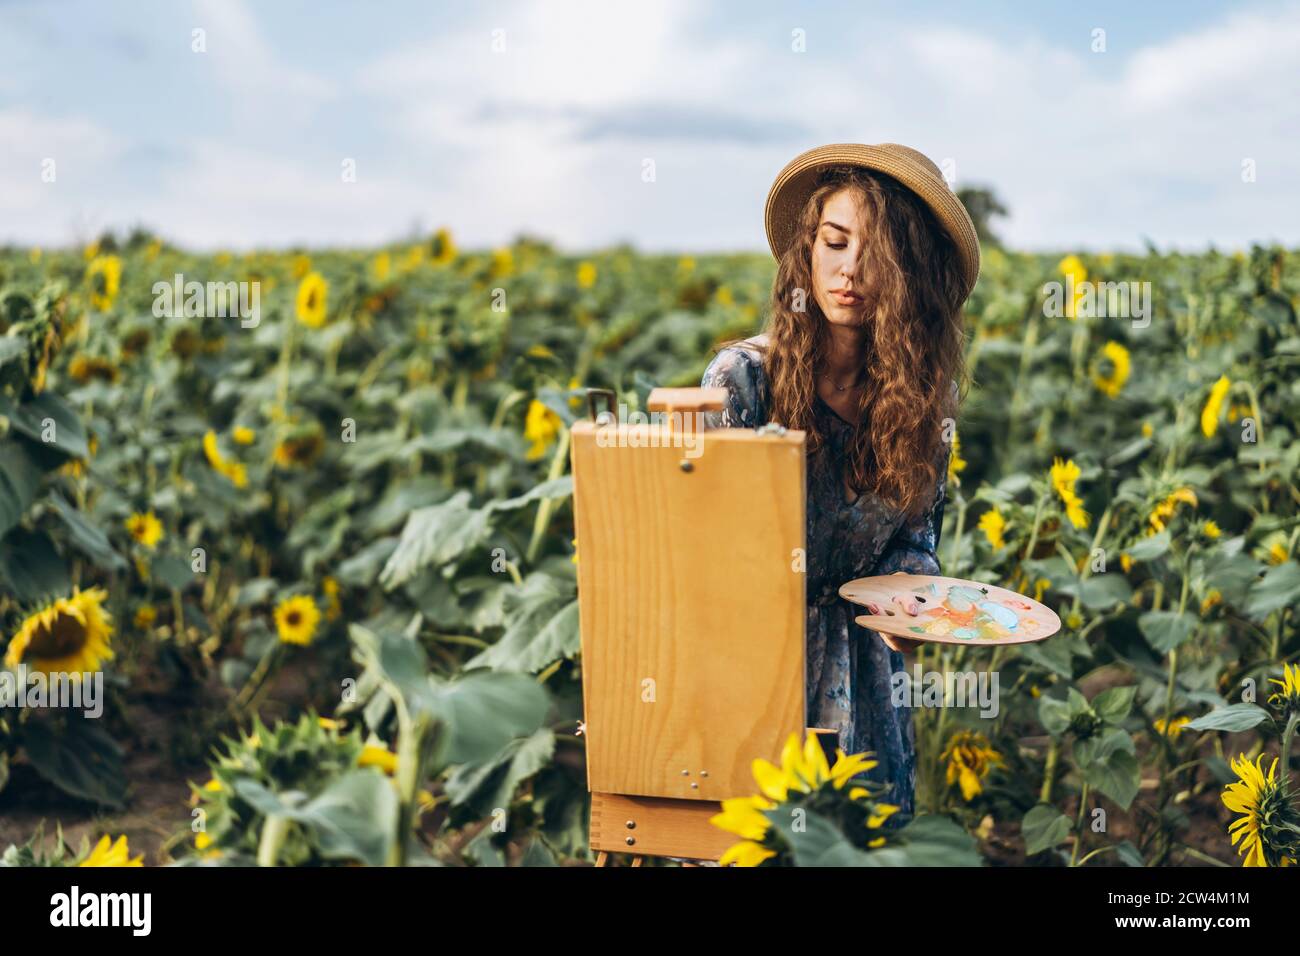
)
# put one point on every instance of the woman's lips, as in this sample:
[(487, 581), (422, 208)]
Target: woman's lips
[(846, 298)]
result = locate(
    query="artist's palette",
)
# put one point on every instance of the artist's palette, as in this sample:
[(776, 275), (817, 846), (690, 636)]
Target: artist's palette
[(950, 610)]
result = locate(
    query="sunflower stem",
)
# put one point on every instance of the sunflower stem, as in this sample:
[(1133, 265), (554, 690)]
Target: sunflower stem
[(275, 828), (1078, 824), (547, 506)]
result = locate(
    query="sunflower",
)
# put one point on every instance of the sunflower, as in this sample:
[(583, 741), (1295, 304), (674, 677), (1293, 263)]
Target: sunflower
[(804, 771), (970, 758), (1173, 728), (1164, 510), (145, 528), (299, 449), (1262, 800), (1213, 409), (330, 586), (1063, 477), (1072, 268), (104, 275), (381, 757), (586, 275), (313, 292), (1288, 698), (540, 427), (108, 853), (135, 341), (145, 615), (70, 635), (992, 524), (503, 263), (1112, 382), (234, 471), (442, 249), (86, 368), (242, 435), (382, 267), (743, 816), (956, 463), (296, 619)]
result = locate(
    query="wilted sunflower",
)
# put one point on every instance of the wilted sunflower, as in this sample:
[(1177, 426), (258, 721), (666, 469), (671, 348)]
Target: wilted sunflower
[(135, 341), (1263, 831), (299, 449), (70, 635), (1112, 382), (970, 758), (313, 292), (145, 528), (185, 342), (296, 619), (104, 275), (108, 853), (85, 368)]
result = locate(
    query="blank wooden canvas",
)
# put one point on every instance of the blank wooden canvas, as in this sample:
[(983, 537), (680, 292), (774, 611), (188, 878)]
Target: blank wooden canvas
[(691, 607)]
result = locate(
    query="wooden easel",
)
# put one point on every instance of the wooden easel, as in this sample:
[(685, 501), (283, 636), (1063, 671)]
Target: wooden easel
[(692, 614)]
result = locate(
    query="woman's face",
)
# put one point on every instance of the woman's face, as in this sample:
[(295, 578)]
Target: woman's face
[(841, 234)]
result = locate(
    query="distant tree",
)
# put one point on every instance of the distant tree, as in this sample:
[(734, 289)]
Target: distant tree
[(982, 206)]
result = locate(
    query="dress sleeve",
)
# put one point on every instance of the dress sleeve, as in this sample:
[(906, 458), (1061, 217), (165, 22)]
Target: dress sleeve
[(914, 548), (733, 369)]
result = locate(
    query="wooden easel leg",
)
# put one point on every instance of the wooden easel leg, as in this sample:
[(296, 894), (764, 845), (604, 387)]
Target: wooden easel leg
[(636, 860), (602, 858)]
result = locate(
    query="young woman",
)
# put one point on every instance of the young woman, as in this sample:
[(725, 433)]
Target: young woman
[(863, 351)]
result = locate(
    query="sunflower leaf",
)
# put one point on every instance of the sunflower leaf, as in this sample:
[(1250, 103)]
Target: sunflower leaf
[(1234, 718)]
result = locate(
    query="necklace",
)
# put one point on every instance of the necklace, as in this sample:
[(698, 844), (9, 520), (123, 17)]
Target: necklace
[(841, 388)]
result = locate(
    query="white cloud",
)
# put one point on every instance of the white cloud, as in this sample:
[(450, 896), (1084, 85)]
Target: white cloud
[(1087, 150)]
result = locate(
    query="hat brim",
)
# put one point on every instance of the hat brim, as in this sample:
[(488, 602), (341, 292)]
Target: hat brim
[(795, 183)]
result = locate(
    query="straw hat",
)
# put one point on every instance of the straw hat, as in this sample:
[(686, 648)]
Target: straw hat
[(795, 184)]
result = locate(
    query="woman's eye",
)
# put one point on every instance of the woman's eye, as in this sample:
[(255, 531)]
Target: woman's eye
[(836, 245)]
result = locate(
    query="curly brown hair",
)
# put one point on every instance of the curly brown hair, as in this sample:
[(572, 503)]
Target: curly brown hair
[(915, 376)]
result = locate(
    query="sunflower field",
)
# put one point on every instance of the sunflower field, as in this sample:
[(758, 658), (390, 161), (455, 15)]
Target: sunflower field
[(324, 559)]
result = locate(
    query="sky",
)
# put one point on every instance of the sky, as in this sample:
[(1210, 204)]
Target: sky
[(496, 119)]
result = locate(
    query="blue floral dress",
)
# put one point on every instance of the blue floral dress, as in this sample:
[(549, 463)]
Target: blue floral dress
[(849, 667)]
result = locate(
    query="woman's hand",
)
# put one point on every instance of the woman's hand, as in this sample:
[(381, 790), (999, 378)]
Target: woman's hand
[(909, 606)]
